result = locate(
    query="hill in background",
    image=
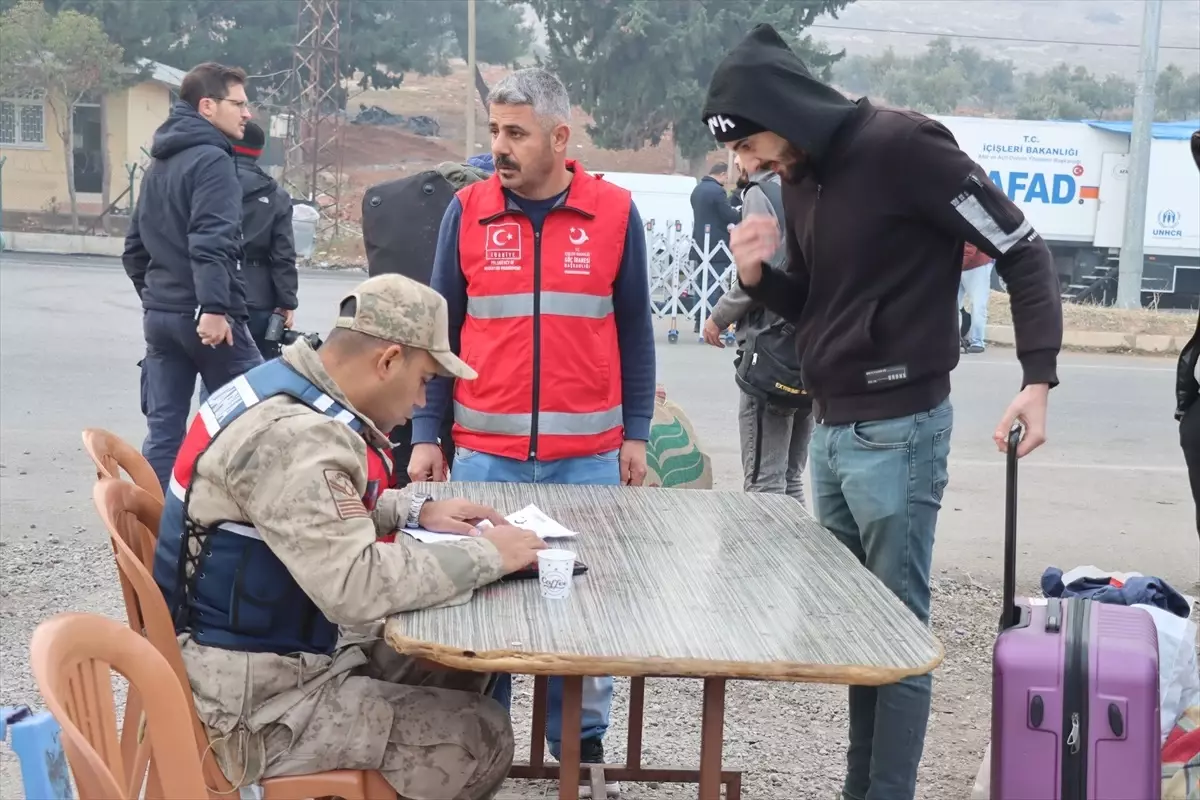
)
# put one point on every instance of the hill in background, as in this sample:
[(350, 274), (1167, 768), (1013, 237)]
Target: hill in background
[(1091, 21)]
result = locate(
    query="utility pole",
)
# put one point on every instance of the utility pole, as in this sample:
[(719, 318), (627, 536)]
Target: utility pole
[(470, 109), (1129, 272)]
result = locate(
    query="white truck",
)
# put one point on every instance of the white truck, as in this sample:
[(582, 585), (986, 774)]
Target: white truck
[(1070, 179)]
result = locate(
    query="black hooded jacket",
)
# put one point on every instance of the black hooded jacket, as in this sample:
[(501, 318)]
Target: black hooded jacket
[(268, 242), (877, 216), (183, 249), (1186, 387)]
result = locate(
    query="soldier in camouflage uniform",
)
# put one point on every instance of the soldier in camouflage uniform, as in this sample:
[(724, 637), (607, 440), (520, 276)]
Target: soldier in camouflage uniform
[(279, 482)]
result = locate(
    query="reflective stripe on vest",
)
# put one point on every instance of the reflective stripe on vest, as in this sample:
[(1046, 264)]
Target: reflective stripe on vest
[(540, 324), (554, 423), (505, 306)]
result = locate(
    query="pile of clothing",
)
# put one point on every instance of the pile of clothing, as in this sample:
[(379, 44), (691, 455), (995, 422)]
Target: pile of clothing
[(1179, 676)]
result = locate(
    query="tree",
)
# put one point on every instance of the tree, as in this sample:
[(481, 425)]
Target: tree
[(940, 80), (380, 40), (501, 34), (67, 57), (641, 68), (946, 80), (1177, 95), (1066, 93)]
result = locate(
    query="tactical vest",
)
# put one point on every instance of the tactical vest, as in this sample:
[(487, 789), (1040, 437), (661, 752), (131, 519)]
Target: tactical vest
[(222, 583), (540, 322)]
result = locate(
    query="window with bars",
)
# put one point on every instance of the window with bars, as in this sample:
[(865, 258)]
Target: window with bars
[(23, 118)]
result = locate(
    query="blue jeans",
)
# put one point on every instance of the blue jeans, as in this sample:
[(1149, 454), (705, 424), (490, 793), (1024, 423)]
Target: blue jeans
[(603, 469), (877, 486), (977, 286), (257, 325), (174, 357)]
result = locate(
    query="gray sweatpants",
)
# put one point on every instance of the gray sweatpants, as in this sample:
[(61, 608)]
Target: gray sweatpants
[(785, 438)]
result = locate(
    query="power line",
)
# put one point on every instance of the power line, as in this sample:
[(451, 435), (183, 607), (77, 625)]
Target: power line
[(994, 38)]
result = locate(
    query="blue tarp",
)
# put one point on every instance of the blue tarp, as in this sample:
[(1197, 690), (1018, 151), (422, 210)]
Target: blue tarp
[(1162, 130)]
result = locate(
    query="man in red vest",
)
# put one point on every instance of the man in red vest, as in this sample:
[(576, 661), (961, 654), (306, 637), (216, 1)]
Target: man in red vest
[(544, 270)]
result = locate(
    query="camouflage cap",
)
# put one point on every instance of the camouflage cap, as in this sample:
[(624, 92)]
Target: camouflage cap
[(400, 310)]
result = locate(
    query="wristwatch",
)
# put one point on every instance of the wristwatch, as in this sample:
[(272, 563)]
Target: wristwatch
[(414, 511)]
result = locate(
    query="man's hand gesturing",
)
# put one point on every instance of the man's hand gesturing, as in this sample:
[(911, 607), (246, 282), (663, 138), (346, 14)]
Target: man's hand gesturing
[(752, 242)]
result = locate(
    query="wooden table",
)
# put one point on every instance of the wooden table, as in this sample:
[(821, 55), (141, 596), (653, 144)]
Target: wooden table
[(681, 583)]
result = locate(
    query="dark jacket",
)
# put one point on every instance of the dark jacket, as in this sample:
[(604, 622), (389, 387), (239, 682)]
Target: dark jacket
[(268, 244), (183, 249), (1186, 387), (711, 206), (877, 215)]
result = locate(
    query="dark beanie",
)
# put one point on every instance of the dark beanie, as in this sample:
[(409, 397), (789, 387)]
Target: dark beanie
[(731, 128), (252, 142)]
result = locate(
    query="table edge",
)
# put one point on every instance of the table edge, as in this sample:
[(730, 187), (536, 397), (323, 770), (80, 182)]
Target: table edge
[(522, 662)]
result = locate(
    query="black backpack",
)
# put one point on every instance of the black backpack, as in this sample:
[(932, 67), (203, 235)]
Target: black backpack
[(400, 221)]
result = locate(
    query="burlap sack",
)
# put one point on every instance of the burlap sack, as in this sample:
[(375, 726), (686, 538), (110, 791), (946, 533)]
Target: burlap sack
[(674, 457)]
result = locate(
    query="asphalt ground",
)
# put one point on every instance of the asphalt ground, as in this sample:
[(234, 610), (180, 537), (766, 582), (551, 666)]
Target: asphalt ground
[(1108, 488)]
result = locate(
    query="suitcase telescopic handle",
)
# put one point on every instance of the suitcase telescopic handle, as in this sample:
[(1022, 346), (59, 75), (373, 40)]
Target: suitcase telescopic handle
[(1010, 614)]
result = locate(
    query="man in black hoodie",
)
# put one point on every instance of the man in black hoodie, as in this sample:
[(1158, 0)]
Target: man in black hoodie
[(183, 253), (268, 242), (878, 205)]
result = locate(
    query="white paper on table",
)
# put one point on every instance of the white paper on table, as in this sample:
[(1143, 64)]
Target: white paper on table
[(430, 537), (534, 519), (530, 517)]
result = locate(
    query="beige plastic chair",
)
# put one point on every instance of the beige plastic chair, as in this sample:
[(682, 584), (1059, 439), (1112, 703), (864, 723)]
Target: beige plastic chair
[(73, 656), (128, 513), (111, 454)]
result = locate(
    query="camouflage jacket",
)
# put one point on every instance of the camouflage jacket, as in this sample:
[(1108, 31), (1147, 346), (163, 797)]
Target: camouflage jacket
[(283, 468)]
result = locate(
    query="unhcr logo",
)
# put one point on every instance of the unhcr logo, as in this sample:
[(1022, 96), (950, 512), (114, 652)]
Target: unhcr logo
[(1168, 225)]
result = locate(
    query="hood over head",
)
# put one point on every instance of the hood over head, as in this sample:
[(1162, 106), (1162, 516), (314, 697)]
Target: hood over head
[(762, 85), (250, 175), (183, 129)]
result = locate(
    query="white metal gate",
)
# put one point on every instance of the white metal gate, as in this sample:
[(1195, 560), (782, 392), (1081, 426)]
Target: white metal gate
[(683, 278)]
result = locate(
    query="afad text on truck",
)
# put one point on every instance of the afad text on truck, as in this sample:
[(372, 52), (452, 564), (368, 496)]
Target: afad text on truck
[(1039, 187)]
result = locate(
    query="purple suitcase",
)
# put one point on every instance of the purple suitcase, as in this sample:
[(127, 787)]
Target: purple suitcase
[(1075, 708)]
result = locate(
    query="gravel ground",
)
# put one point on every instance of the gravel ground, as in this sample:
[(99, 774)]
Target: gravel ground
[(788, 738)]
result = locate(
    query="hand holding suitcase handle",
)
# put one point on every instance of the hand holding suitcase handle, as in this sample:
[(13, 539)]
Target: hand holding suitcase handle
[(1009, 613)]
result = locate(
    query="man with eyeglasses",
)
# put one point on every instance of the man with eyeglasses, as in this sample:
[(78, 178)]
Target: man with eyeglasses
[(183, 253)]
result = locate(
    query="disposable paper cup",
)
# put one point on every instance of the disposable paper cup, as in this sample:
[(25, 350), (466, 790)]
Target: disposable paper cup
[(554, 573)]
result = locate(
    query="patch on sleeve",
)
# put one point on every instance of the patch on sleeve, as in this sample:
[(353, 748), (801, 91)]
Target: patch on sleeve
[(345, 497), (989, 213)]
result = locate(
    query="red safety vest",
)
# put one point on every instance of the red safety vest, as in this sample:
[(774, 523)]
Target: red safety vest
[(539, 326)]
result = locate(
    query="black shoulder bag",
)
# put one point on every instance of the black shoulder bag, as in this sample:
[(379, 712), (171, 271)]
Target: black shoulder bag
[(768, 369)]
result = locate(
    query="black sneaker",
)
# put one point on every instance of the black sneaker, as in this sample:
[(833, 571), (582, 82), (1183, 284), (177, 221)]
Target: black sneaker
[(975, 348), (591, 751)]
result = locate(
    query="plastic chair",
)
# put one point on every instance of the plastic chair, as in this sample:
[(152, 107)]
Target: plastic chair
[(111, 454), (73, 656), (128, 513)]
